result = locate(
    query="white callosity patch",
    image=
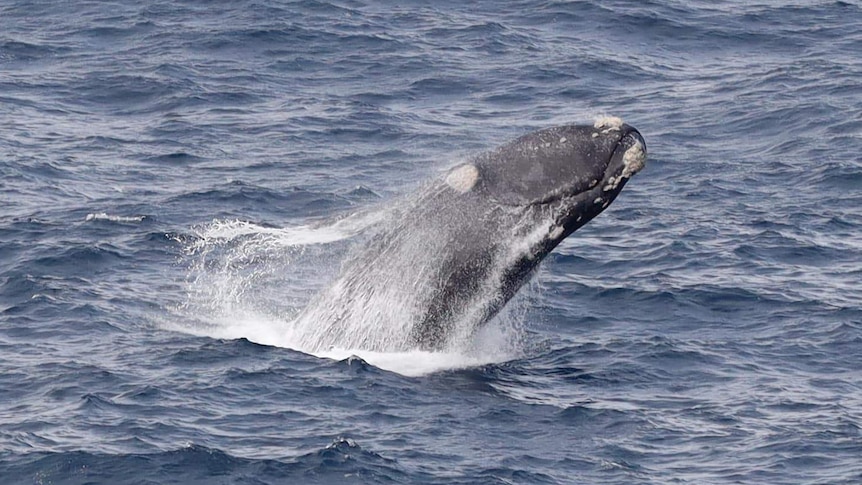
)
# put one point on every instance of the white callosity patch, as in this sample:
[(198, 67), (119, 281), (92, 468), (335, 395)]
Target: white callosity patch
[(633, 160), (463, 178), (608, 124)]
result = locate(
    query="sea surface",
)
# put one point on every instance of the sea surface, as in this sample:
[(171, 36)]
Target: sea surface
[(179, 179)]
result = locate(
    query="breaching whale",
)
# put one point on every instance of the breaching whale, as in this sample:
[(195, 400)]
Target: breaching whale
[(452, 254)]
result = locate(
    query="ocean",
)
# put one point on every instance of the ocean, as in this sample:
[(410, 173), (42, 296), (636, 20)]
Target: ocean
[(179, 180)]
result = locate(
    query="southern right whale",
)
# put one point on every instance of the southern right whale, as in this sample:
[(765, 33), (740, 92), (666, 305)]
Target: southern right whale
[(455, 252)]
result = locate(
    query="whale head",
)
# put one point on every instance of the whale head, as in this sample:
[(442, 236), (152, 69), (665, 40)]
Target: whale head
[(571, 173)]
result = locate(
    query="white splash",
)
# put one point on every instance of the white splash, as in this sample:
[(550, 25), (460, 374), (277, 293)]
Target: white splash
[(289, 236), (255, 282), (102, 216), (410, 363), (498, 341)]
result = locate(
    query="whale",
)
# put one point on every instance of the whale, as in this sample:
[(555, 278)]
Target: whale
[(450, 256)]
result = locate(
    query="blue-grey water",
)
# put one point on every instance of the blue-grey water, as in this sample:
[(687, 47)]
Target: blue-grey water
[(179, 179)]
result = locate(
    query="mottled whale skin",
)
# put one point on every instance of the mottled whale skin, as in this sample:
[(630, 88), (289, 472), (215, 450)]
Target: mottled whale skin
[(463, 245)]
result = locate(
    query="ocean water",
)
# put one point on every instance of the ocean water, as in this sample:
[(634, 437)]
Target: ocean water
[(179, 179)]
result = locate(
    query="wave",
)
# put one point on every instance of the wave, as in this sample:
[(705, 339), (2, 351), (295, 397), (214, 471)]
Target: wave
[(200, 464), (102, 216)]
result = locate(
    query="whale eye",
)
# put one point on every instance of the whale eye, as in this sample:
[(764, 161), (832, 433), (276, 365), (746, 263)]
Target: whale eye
[(463, 178)]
